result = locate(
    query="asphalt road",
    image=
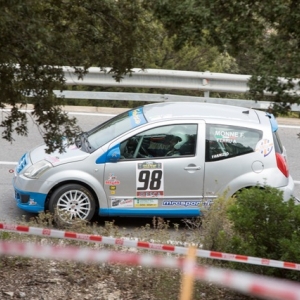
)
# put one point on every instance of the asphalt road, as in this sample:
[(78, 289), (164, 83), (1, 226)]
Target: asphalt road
[(11, 153)]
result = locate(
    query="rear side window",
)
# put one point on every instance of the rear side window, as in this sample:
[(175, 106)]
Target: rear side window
[(224, 141)]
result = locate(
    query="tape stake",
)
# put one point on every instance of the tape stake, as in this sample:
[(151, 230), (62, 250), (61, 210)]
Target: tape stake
[(187, 282)]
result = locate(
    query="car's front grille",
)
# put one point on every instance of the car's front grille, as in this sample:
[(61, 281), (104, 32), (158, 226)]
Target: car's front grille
[(22, 163)]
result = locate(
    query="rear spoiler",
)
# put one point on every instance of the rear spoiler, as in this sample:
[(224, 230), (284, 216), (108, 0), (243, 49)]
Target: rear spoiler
[(273, 122)]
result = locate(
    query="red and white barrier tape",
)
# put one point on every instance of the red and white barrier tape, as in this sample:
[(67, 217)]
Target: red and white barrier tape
[(251, 284), (146, 245)]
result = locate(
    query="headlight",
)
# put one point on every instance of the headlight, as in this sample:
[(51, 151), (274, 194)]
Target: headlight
[(36, 170)]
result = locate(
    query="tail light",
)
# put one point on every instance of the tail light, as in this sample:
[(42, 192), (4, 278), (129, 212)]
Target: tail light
[(282, 164)]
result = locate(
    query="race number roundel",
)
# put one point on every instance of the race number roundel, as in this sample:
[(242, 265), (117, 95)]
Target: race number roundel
[(149, 180)]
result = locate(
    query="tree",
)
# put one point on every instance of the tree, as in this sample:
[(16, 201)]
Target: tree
[(37, 37), (263, 37)]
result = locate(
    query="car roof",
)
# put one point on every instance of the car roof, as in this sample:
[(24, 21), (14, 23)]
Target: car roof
[(194, 110)]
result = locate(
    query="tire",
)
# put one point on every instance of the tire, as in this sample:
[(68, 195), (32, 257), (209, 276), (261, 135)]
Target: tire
[(72, 202)]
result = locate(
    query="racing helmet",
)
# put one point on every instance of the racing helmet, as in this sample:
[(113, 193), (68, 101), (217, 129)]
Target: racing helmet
[(179, 134)]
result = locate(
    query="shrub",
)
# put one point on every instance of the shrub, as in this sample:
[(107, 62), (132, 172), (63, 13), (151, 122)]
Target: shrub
[(216, 226), (265, 226)]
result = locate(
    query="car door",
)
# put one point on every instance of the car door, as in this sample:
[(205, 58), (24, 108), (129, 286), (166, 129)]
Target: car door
[(151, 180)]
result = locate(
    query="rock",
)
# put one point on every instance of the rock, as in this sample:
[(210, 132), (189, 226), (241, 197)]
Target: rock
[(11, 294), (21, 295)]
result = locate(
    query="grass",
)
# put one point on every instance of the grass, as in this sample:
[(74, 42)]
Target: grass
[(126, 282)]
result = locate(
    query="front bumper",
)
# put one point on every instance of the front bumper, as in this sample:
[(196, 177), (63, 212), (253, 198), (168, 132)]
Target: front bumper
[(29, 201)]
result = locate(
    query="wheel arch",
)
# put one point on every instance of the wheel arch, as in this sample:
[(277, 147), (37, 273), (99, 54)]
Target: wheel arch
[(248, 187), (62, 183)]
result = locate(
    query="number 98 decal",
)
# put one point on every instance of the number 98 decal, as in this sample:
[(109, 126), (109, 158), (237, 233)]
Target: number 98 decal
[(149, 180)]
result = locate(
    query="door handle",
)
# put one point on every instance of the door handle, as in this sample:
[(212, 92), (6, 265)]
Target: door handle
[(192, 168)]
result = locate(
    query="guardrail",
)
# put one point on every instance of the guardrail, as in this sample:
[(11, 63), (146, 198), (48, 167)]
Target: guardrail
[(160, 78), (168, 79)]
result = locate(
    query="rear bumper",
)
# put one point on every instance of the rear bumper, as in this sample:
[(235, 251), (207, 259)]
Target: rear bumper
[(288, 190)]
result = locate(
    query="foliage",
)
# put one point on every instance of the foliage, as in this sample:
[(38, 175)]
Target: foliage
[(265, 226), (217, 228), (261, 36), (38, 36), (163, 56)]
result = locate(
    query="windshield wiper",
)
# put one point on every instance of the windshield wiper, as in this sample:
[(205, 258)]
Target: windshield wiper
[(78, 140), (86, 142)]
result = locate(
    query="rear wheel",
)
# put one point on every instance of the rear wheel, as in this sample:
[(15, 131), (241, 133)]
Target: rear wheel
[(72, 202)]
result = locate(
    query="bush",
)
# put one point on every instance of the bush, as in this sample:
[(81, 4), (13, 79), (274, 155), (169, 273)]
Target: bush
[(216, 226), (265, 226)]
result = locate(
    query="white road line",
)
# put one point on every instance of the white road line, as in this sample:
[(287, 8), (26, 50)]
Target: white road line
[(70, 112), (93, 114), (289, 126)]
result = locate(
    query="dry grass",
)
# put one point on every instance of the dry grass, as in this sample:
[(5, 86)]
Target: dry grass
[(49, 279)]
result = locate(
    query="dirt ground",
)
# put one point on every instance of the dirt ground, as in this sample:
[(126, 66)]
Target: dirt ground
[(36, 279)]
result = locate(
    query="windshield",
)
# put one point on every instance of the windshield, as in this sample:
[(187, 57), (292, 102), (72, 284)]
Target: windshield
[(114, 127)]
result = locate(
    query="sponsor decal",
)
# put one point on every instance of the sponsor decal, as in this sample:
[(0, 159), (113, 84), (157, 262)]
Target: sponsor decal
[(151, 194), (220, 155), (112, 180), (112, 189), (187, 203), (228, 136), (32, 202), (265, 147), (145, 203), (137, 118), (121, 202), (149, 165)]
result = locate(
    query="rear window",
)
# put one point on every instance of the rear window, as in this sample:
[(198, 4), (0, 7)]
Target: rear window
[(224, 141), (277, 142)]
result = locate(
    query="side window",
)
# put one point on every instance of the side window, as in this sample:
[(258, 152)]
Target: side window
[(229, 141), (163, 141)]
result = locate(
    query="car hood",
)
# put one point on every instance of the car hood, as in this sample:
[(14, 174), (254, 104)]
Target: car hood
[(71, 154)]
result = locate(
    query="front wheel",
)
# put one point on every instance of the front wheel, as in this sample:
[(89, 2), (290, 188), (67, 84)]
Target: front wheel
[(72, 201)]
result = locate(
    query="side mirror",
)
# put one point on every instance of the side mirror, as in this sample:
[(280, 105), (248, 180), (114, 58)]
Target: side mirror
[(113, 154)]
